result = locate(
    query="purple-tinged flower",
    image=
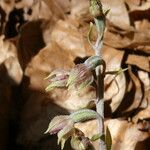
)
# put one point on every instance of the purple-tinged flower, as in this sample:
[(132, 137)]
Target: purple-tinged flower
[(81, 75), (58, 78), (64, 125)]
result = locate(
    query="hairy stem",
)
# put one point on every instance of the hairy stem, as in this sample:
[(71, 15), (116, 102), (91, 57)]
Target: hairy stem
[(100, 103), (100, 74)]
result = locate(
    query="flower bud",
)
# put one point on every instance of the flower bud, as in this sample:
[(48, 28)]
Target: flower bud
[(96, 8), (83, 115)]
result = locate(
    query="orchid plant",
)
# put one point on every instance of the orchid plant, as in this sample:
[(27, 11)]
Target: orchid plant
[(79, 77)]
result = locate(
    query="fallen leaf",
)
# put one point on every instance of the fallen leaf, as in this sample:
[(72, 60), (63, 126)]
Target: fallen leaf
[(140, 61)]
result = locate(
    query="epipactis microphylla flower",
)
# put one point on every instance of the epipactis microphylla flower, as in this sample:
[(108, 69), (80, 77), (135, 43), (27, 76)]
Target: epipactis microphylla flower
[(64, 124), (81, 75), (58, 78), (80, 142)]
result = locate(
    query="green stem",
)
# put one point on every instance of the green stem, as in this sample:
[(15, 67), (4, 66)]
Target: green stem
[(100, 24), (96, 11), (100, 104)]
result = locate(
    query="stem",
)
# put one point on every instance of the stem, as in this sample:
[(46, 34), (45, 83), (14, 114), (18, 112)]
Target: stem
[(100, 103), (99, 19), (100, 74)]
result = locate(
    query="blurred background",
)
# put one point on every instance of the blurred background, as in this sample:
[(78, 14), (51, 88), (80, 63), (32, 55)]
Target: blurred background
[(37, 36)]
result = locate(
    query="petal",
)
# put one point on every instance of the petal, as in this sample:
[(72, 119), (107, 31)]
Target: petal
[(85, 83), (75, 143), (57, 72), (80, 76), (78, 71), (59, 83), (57, 123), (65, 133)]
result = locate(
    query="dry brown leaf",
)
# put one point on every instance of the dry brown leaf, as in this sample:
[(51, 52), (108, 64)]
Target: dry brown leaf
[(133, 2), (140, 61), (11, 72), (144, 77), (67, 36), (118, 14), (142, 25), (143, 114), (137, 90), (114, 91), (79, 10), (35, 9), (125, 134), (55, 8), (48, 59), (7, 6), (135, 5), (130, 39)]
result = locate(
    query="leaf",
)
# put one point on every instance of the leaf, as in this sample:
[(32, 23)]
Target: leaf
[(90, 33), (95, 137), (108, 139), (100, 25), (118, 14)]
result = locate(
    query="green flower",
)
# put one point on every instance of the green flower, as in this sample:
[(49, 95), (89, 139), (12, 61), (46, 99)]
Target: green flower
[(58, 78)]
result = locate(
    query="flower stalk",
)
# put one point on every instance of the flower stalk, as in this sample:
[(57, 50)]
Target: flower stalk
[(99, 19)]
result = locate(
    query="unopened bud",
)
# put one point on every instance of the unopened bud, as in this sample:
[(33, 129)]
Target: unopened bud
[(83, 115), (96, 8)]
